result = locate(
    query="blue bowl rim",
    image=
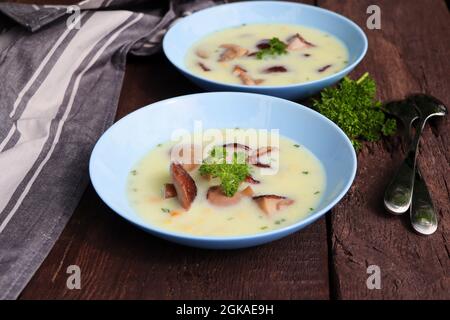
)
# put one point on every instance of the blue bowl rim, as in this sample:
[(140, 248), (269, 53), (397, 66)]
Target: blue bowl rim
[(337, 75), (289, 229)]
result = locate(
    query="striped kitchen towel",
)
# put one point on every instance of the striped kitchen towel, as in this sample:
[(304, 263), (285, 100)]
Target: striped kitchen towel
[(61, 71)]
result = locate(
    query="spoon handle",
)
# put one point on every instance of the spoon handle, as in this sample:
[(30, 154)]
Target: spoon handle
[(398, 195), (422, 213)]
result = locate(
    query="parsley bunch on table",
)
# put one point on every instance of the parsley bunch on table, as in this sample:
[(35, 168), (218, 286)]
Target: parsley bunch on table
[(353, 107), (276, 47), (230, 170)]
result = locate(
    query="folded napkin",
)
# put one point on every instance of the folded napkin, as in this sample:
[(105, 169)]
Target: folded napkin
[(61, 80)]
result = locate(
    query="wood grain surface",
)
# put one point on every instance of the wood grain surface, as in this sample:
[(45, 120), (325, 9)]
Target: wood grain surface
[(409, 54)]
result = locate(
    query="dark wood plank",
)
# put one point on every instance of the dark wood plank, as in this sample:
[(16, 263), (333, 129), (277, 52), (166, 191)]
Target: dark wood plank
[(409, 54), (119, 261)]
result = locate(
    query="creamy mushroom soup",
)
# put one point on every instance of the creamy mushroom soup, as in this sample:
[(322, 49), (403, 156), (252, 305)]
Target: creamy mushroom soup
[(267, 54), (260, 187)]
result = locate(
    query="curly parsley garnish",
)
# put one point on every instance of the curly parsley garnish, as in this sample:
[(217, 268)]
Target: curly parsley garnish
[(353, 107), (276, 47), (230, 170)]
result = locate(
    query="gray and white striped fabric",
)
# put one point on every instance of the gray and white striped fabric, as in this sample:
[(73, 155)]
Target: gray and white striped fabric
[(59, 91)]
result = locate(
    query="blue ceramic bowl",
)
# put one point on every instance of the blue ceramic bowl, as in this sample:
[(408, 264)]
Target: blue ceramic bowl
[(132, 137), (180, 38)]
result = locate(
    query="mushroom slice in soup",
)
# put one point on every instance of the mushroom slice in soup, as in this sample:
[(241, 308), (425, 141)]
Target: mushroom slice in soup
[(261, 165), (232, 51), (201, 53), (244, 76), (231, 148), (324, 68), (216, 197), (263, 44), (184, 185), (248, 192), (271, 203), (169, 191), (297, 42), (275, 69), (236, 145), (259, 153), (204, 67), (251, 180)]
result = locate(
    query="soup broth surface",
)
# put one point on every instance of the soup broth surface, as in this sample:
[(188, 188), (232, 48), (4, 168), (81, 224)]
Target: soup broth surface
[(319, 55), (299, 177)]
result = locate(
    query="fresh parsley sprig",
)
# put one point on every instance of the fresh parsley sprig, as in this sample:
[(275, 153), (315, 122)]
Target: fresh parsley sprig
[(276, 47), (230, 170), (353, 107)]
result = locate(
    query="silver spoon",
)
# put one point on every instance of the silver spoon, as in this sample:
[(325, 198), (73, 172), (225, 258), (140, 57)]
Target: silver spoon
[(422, 214), (398, 195)]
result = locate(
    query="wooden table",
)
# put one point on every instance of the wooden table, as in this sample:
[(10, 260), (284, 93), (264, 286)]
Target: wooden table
[(327, 260)]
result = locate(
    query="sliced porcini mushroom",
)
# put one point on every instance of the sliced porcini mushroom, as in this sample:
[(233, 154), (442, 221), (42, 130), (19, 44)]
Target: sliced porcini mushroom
[(201, 53), (184, 185), (248, 192), (232, 51), (237, 146), (204, 67), (297, 42), (263, 44), (261, 165), (216, 197), (244, 76), (188, 155), (265, 150), (275, 69), (237, 70), (255, 157), (324, 68), (169, 191), (251, 180), (271, 203)]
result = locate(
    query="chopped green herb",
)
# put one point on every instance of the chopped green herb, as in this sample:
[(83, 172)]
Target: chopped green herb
[(230, 218), (264, 228), (276, 47), (353, 107), (135, 189), (231, 172), (317, 192), (165, 210), (134, 172), (305, 172), (311, 209), (280, 221), (297, 145), (159, 145)]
